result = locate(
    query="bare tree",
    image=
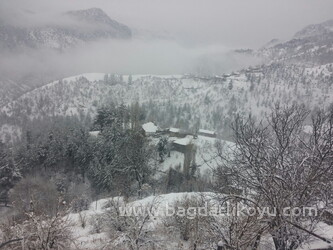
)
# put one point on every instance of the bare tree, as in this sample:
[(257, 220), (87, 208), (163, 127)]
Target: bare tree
[(133, 229), (279, 166), (39, 232)]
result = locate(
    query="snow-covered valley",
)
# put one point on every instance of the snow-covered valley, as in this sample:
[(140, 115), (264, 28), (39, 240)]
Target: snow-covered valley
[(206, 158)]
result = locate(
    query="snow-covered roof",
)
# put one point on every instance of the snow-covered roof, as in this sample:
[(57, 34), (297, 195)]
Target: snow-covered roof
[(94, 133), (184, 141), (204, 131), (149, 127), (174, 130)]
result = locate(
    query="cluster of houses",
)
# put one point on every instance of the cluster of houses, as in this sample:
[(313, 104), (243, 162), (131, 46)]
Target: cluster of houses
[(180, 139)]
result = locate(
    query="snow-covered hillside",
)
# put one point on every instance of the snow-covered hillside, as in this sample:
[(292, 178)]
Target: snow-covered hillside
[(86, 236), (187, 102), (88, 239)]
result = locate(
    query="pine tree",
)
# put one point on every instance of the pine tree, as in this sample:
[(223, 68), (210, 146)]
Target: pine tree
[(106, 78), (162, 148), (230, 85), (123, 151), (9, 174), (130, 80)]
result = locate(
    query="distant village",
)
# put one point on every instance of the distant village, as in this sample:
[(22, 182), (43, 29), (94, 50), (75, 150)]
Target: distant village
[(178, 140)]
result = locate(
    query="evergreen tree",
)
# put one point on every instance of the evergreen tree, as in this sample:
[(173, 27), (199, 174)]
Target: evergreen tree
[(162, 148), (121, 161), (230, 85), (130, 80), (9, 174), (106, 78)]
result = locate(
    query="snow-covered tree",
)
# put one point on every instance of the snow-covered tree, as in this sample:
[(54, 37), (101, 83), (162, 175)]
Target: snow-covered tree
[(39, 232), (122, 158), (130, 80), (162, 148), (132, 230), (278, 165), (9, 173)]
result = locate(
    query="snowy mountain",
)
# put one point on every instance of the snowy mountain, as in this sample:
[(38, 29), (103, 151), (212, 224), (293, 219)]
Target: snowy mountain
[(311, 45), (103, 25), (82, 26), (313, 30)]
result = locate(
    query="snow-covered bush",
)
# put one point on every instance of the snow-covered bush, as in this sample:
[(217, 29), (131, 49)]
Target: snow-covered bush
[(189, 227), (132, 231), (39, 232)]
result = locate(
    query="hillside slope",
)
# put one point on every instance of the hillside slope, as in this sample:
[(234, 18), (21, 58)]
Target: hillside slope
[(187, 102)]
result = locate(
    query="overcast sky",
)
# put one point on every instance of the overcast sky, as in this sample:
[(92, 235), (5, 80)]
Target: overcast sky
[(233, 23), (201, 33)]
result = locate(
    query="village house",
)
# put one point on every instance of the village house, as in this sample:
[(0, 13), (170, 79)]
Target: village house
[(207, 133), (182, 145), (149, 128)]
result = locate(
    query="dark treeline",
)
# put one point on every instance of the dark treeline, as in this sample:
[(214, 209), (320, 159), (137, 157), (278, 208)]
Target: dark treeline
[(62, 150)]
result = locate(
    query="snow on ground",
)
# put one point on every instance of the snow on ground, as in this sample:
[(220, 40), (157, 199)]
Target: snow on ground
[(207, 100), (87, 239), (169, 199), (323, 230), (84, 236)]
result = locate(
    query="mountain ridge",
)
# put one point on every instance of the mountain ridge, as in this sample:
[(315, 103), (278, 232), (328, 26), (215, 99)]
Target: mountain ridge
[(311, 45), (92, 24)]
